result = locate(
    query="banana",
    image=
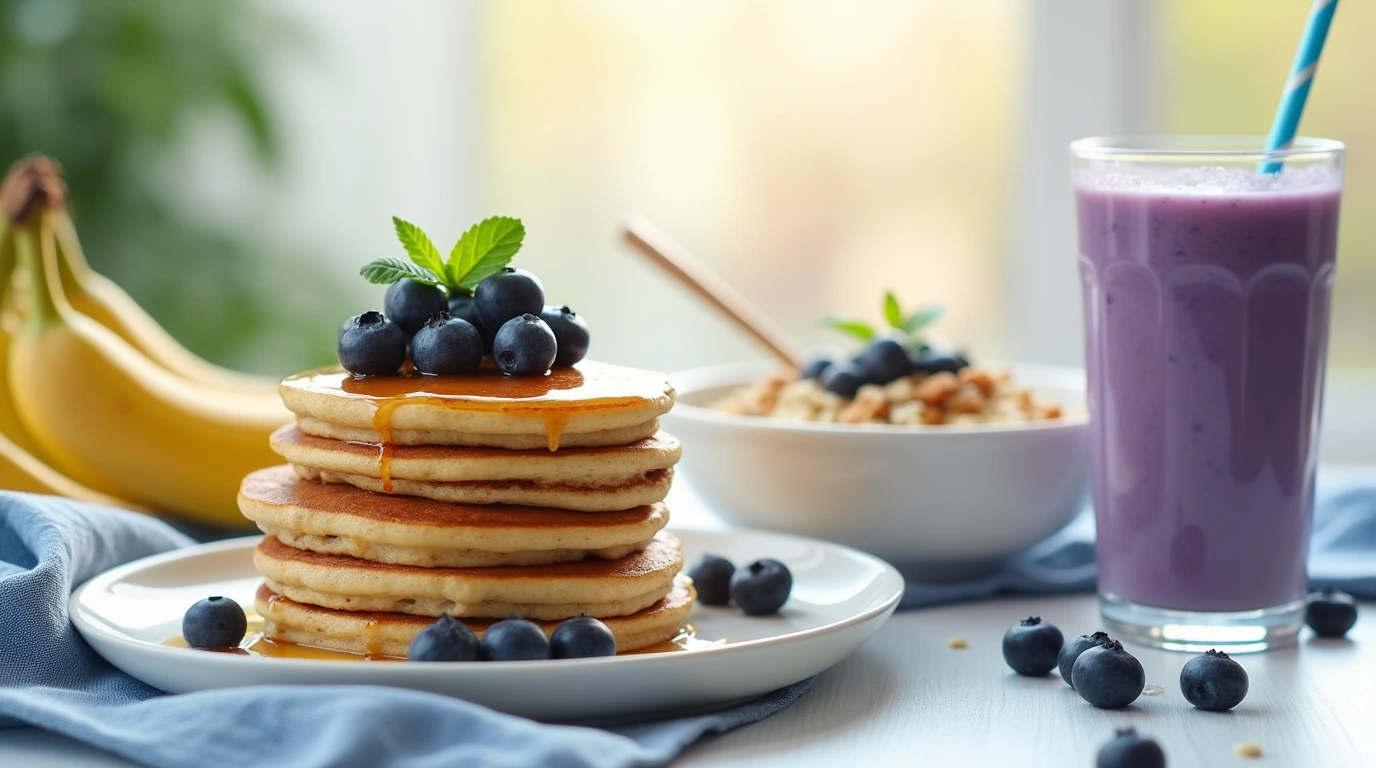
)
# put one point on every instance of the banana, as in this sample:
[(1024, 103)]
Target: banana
[(100, 299), (20, 468), (110, 418)]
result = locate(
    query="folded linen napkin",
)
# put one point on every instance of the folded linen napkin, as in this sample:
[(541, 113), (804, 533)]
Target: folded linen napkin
[(50, 679)]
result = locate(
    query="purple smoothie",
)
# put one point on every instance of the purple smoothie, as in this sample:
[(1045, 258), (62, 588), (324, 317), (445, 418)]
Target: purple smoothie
[(1206, 312)]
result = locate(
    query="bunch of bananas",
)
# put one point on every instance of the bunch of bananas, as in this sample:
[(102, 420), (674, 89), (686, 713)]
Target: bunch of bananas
[(99, 402)]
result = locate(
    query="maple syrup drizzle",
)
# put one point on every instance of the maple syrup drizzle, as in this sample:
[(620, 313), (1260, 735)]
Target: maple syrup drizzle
[(553, 398)]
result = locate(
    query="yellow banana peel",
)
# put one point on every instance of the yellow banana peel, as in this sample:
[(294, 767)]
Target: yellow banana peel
[(108, 417)]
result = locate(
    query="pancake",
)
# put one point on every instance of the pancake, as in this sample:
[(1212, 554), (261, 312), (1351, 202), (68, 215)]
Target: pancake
[(607, 466), (390, 634), (313, 426), (546, 592), (593, 397), (649, 488), (408, 530)]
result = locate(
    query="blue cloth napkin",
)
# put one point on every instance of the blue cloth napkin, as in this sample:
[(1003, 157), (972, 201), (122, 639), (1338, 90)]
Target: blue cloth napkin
[(50, 679), (1342, 551)]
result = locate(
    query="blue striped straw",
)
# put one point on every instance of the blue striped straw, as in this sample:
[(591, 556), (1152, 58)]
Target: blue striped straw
[(1301, 77)]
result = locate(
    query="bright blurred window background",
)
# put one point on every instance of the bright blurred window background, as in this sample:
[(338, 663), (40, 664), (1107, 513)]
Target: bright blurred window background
[(233, 163)]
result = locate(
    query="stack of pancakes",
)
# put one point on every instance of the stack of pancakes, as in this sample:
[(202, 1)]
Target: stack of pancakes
[(481, 496)]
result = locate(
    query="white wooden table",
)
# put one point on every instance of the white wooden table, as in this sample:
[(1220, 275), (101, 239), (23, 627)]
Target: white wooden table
[(906, 698)]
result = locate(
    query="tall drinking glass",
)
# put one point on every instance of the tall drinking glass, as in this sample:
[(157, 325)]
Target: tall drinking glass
[(1206, 302)]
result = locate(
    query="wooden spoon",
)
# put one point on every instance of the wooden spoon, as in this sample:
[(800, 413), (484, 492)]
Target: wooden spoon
[(648, 240)]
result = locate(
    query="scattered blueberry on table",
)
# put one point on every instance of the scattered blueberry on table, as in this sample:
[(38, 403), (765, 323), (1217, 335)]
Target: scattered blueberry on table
[(1331, 613), (711, 577), (1108, 676), (215, 622), (372, 345), (1072, 650), (448, 639), (1213, 682), (515, 639), (409, 304), (581, 637), (761, 588), (1032, 647), (446, 345), (1130, 750)]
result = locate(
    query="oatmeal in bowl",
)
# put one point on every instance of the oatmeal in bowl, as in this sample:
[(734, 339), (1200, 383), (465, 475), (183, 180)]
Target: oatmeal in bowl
[(939, 466)]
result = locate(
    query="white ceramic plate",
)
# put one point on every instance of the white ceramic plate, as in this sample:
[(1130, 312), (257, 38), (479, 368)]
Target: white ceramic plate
[(840, 597)]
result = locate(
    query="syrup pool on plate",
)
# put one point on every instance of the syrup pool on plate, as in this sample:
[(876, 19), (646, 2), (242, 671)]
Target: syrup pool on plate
[(256, 643)]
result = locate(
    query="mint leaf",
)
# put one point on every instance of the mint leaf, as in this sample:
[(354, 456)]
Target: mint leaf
[(483, 251), (893, 314), (857, 328), (387, 271), (922, 318), (418, 245)]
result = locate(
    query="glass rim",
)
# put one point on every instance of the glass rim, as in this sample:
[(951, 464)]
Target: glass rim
[(1199, 146)]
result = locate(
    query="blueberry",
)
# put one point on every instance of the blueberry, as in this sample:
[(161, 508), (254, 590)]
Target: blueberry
[(448, 639), (582, 637), (409, 304), (816, 367), (515, 639), (215, 622), (372, 345), (712, 579), (1331, 613), (930, 362), (1031, 647), (1128, 750), (1213, 682), (525, 346), (462, 307), (1108, 676), (843, 380), (762, 587), (571, 333), (1072, 650), (446, 345), (508, 294), (884, 360)]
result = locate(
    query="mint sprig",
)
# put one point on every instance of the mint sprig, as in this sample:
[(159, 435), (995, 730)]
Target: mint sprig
[(484, 250), (909, 325)]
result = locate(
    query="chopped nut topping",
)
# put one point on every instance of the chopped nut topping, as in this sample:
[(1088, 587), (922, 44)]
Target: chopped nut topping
[(975, 396)]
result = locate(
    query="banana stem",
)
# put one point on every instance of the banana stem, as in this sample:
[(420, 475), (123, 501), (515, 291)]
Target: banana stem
[(71, 260), (38, 256), (6, 261)]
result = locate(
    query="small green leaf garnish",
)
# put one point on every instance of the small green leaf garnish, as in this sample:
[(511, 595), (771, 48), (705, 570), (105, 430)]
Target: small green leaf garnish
[(901, 325), (850, 326), (922, 318), (418, 245), (386, 271), (484, 250), (893, 315)]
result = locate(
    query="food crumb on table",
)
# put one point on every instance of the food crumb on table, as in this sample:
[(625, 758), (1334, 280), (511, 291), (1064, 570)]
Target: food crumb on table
[(957, 643), (1248, 749)]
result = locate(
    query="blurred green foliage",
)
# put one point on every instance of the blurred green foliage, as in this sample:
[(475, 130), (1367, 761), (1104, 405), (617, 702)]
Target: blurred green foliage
[(106, 87)]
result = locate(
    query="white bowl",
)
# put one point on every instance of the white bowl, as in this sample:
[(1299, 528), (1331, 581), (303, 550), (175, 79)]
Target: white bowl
[(938, 502)]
